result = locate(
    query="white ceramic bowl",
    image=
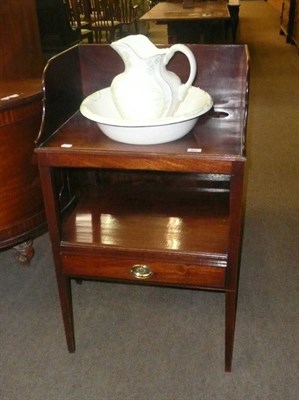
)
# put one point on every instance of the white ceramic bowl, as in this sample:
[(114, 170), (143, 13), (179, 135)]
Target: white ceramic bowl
[(99, 107)]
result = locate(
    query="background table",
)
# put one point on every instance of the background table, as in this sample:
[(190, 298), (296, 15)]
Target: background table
[(205, 22)]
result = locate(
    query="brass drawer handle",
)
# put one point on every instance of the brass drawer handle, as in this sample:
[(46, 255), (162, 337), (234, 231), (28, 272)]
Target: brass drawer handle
[(141, 271)]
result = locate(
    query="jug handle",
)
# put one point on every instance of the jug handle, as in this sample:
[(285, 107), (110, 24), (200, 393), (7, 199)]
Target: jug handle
[(183, 89)]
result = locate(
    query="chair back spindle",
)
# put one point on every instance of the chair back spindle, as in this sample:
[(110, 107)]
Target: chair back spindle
[(110, 16)]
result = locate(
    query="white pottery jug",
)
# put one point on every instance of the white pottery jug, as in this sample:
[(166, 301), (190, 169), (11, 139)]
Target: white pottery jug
[(146, 90)]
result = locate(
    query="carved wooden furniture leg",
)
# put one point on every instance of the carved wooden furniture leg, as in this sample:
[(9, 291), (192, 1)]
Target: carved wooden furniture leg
[(24, 252)]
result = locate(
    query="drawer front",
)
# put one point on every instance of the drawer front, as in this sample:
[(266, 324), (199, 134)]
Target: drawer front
[(154, 272)]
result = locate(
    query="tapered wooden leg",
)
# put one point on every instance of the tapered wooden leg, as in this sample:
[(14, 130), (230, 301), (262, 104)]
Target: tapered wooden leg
[(230, 322), (52, 206), (65, 294)]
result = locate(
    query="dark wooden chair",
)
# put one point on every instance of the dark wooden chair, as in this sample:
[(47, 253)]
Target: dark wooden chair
[(79, 16), (110, 16), (127, 13), (56, 33), (104, 22)]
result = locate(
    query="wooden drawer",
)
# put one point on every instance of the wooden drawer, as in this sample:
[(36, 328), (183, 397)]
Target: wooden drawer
[(164, 273)]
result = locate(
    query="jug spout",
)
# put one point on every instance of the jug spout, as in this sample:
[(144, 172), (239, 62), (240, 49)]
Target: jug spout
[(136, 45)]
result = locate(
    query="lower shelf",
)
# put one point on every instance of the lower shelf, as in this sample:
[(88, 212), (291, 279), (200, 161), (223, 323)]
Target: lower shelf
[(161, 219), (179, 233)]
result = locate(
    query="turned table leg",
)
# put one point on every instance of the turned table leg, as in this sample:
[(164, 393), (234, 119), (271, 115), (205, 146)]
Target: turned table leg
[(24, 252)]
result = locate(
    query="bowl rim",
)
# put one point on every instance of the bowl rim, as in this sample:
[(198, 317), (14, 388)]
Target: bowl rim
[(85, 111)]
